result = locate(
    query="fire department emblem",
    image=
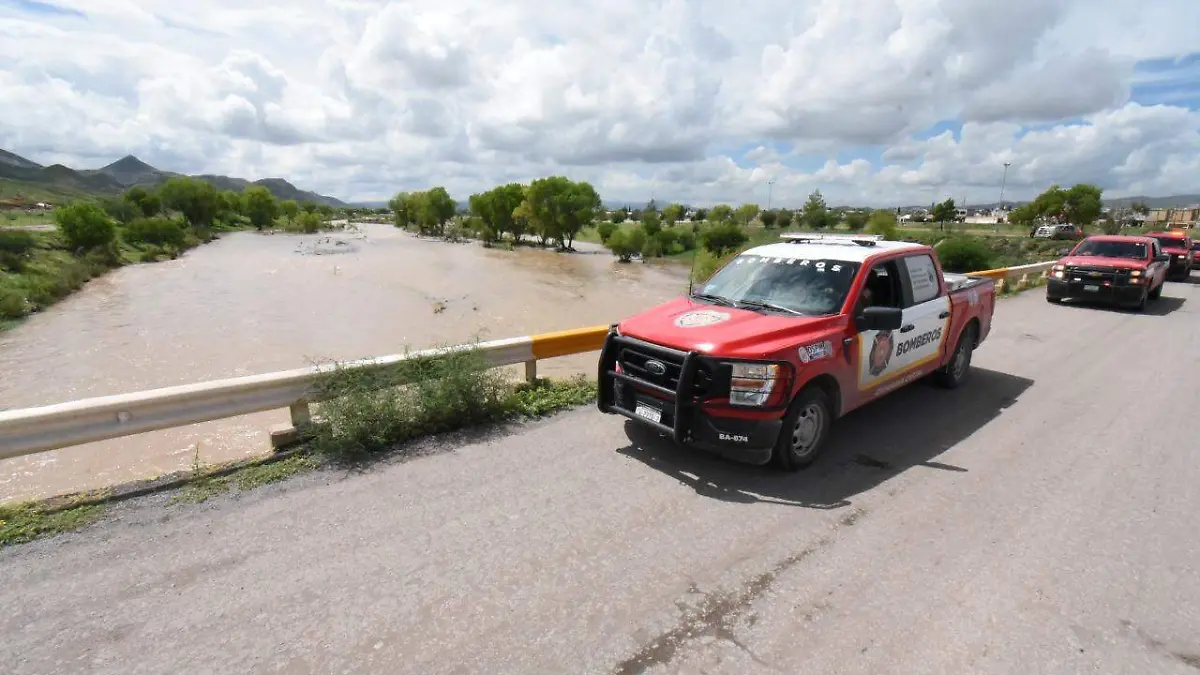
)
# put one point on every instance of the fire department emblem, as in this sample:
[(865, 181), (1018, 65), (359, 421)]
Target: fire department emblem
[(881, 353), (704, 317)]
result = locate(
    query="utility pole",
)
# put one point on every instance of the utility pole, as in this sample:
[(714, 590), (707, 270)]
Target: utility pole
[(770, 189), (1003, 182)]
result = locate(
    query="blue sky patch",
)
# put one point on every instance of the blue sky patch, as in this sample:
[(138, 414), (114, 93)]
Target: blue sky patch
[(42, 8), (1168, 82)]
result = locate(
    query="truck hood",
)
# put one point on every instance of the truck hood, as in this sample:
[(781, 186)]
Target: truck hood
[(1101, 261), (687, 325)]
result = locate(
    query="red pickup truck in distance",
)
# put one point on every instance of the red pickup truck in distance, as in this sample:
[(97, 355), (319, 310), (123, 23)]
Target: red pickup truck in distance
[(1125, 270), (1178, 245), (757, 363)]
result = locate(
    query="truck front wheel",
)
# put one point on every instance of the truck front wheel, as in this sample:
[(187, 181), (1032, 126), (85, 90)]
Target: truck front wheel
[(804, 431)]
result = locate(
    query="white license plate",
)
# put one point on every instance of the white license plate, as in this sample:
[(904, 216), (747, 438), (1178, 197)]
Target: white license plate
[(646, 412), (1091, 287)]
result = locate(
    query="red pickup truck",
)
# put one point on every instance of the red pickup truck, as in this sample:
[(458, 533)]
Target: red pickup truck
[(1178, 245), (1120, 269), (757, 362)]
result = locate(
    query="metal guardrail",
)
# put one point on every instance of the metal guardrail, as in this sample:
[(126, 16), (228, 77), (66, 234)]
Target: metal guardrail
[(1021, 275), (33, 430)]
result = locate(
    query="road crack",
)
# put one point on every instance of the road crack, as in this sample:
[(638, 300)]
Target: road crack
[(715, 616)]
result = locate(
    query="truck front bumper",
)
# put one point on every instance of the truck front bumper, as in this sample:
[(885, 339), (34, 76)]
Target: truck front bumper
[(1098, 292), (663, 389)]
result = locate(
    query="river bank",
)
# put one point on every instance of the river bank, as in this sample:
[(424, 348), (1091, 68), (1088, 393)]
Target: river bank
[(247, 303)]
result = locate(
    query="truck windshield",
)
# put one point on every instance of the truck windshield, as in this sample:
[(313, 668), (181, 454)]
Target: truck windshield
[(795, 285), (1112, 249), (1171, 242)]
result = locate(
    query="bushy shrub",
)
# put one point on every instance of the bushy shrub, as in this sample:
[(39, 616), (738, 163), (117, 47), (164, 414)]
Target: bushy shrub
[(85, 226), (627, 242), (16, 242), (723, 237), (364, 413), (605, 230), (964, 254), (162, 232)]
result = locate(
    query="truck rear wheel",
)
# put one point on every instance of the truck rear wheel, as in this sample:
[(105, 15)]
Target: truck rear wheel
[(804, 431), (954, 373)]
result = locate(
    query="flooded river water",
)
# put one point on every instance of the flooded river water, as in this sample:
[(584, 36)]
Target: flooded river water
[(252, 303)]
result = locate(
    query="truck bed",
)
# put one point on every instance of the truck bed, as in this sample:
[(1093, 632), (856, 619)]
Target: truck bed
[(961, 282)]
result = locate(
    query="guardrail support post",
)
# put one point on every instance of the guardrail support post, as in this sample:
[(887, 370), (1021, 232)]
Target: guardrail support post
[(284, 436), (531, 371)]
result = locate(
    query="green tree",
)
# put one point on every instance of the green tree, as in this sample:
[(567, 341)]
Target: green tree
[(746, 213), (672, 214), (308, 222), (147, 203), (721, 213), (651, 222), (945, 212), (229, 203), (769, 218), (197, 200), (85, 226), (121, 210), (1082, 204), (627, 242), (1024, 215), (402, 215), (855, 220), (260, 206), (815, 214), (699, 215), (1140, 207), (723, 237), (606, 229), (883, 223), (784, 220), (440, 207), (290, 209), (308, 206), (558, 208)]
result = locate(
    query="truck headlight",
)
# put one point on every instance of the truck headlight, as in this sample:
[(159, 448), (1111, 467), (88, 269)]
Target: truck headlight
[(751, 384), (1135, 273)]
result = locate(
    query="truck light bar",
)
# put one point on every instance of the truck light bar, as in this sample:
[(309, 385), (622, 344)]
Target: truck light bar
[(860, 239)]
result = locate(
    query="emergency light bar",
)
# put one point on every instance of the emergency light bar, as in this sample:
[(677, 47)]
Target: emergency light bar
[(822, 237)]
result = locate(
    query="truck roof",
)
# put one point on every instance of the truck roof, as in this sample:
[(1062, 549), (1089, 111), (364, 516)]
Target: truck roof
[(845, 247)]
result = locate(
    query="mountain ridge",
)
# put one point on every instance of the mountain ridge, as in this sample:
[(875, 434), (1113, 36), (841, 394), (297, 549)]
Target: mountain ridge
[(127, 172)]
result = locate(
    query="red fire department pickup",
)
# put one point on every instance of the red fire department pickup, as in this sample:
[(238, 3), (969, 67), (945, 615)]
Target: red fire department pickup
[(1178, 245), (1120, 269), (756, 363)]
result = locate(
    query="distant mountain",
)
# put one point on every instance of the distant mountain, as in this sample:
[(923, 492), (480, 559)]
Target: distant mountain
[(124, 174)]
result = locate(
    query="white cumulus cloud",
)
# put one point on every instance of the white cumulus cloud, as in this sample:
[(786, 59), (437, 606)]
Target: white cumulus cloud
[(697, 100)]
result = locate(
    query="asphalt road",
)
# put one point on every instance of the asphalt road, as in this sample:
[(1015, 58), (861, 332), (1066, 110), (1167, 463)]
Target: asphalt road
[(1045, 519)]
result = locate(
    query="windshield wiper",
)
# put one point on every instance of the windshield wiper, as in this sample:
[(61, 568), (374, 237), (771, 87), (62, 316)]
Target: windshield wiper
[(715, 299), (766, 305)]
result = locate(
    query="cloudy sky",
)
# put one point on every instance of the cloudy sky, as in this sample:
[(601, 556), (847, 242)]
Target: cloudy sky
[(871, 101)]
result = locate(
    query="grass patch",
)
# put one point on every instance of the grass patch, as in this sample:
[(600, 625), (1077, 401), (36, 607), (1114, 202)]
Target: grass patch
[(26, 522)]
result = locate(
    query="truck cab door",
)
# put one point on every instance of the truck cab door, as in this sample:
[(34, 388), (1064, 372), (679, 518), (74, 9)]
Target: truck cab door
[(926, 328)]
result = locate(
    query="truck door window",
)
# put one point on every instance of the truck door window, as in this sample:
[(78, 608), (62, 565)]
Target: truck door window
[(882, 288), (922, 278)]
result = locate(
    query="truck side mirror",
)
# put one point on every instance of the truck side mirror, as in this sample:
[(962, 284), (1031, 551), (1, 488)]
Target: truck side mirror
[(879, 318), (1162, 257)]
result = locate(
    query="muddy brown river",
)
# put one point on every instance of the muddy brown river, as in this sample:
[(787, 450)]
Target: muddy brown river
[(252, 303)]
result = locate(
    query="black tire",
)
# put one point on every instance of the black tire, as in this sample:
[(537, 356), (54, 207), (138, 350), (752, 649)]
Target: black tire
[(811, 403), (1052, 299), (1141, 306), (958, 370)]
